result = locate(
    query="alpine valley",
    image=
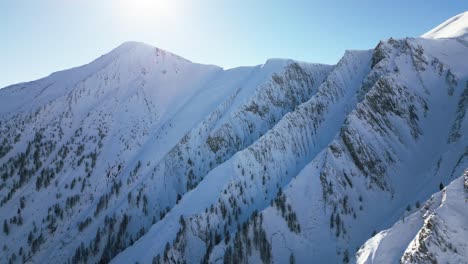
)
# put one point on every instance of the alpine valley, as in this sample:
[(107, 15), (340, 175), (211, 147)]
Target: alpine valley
[(142, 156)]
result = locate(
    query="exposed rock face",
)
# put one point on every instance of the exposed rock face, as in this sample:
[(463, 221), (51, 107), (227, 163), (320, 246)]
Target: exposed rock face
[(436, 233)]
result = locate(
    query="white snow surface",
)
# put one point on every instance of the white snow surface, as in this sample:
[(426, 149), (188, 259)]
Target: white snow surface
[(436, 233), (137, 110), (455, 27), (143, 156)]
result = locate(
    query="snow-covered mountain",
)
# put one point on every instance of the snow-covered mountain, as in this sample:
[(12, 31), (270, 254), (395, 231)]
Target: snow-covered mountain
[(436, 233), (143, 156), (128, 134), (454, 27)]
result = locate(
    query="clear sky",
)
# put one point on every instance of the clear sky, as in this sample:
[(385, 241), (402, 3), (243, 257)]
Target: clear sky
[(38, 37)]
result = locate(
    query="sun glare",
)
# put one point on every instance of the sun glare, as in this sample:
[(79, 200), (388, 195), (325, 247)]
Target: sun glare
[(147, 9)]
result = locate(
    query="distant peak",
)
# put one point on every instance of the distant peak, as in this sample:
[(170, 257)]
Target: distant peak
[(455, 27), (144, 50), (133, 44), (278, 61)]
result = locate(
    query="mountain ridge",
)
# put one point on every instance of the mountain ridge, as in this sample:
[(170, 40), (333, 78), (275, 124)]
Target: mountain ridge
[(153, 158), (455, 27)]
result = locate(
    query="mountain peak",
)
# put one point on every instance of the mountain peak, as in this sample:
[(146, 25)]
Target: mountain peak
[(455, 27), (144, 51), (134, 44)]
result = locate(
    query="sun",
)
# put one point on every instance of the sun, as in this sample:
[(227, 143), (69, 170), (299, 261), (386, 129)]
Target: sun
[(147, 9)]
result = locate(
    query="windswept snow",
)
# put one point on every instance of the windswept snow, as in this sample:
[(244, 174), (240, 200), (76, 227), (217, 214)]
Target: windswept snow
[(455, 27)]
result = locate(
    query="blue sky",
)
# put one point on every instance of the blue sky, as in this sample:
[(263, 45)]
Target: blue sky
[(39, 37)]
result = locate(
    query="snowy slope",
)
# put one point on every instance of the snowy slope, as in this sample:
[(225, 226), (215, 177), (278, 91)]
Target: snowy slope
[(455, 27), (143, 156), (250, 179), (97, 134), (406, 100), (436, 233)]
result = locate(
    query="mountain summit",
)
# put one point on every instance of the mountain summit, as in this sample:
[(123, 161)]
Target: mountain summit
[(143, 156), (455, 27)]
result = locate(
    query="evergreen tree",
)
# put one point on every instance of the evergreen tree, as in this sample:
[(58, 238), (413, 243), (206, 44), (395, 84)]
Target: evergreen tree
[(6, 229), (292, 259)]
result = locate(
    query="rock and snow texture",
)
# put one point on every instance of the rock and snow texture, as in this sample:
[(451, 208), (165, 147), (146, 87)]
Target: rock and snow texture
[(313, 186), (454, 27), (436, 233), (116, 143), (143, 156)]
